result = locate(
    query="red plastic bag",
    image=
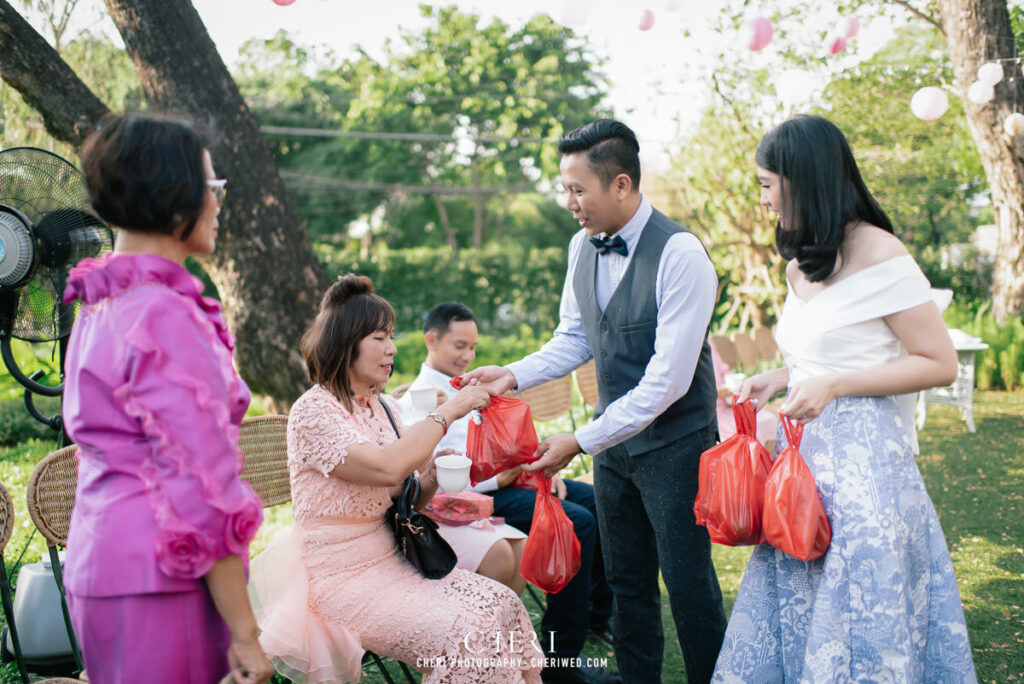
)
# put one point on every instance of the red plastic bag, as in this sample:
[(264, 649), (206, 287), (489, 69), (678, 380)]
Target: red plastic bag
[(551, 555), (504, 438), (794, 519), (731, 482)]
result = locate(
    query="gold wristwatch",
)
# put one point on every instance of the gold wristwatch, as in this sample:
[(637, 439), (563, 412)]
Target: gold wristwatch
[(440, 420)]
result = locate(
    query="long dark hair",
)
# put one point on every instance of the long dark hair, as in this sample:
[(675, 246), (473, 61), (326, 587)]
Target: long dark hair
[(349, 312), (822, 191)]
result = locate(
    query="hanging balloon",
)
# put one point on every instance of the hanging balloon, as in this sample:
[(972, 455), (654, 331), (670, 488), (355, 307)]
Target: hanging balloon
[(851, 27), (979, 93), (646, 20), (283, 3), (929, 103), (758, 33), (990, 73), (1014, 124), (836, 45)]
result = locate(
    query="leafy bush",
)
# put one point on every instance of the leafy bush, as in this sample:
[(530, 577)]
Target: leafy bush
[(17, 426), (969, 277), (1001, 366), (505, 287)]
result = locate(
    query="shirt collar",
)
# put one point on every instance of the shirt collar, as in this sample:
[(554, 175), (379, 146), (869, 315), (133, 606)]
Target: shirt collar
[(630, 233), (435, 378)]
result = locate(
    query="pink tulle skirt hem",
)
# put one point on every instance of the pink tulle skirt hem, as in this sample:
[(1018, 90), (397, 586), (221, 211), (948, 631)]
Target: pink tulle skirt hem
[(304, 648)]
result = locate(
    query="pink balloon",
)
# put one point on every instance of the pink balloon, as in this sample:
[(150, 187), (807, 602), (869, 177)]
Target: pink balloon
[(646, 20), (837, 45), (760, 33), (852, 26), (283, 3)]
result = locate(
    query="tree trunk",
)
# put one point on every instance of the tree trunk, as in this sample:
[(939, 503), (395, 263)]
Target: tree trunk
[(978, 31), (446, 224), (269, 280), (28, 64)]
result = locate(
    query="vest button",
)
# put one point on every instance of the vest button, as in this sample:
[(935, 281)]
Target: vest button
[(604, 328), (604, 354)]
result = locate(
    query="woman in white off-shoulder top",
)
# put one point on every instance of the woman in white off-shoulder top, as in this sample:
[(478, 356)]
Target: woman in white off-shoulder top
[(860, 334)]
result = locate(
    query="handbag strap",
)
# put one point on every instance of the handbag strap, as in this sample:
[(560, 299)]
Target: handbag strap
[(411, 486)]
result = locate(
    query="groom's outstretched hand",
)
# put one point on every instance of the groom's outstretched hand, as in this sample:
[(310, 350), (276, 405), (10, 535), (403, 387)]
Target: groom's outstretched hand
[(495, 379), (554, 453)]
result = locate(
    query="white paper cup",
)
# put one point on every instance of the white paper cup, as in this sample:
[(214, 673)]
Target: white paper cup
[(452, 472), (734, 381), (424, 400)]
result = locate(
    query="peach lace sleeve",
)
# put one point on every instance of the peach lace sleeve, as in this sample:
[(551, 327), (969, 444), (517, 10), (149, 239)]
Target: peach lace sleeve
[(320, 432)]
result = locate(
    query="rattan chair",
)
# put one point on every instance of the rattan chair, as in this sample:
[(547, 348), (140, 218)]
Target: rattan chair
[(51, 497), (586, 382), (765, 341), (264, 442), (551, 400), (6, 527), (747, 350), (726, 350)]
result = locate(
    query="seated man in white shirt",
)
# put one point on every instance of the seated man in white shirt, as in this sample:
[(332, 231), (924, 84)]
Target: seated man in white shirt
[(585, 603)]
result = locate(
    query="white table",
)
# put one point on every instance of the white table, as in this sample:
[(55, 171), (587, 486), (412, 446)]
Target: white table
[(961, 393)]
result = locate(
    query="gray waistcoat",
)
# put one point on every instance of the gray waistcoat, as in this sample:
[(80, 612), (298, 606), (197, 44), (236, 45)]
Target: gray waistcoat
[(622, 339)]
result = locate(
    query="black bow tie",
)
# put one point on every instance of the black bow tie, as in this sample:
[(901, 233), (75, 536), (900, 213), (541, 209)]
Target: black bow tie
[(612, 244)]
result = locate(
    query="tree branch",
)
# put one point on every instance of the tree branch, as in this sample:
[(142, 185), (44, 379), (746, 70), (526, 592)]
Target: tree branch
[(920, 15), (28, 64)]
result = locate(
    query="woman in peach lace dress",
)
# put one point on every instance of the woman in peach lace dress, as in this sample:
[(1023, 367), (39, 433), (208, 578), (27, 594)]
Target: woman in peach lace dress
[(336, 584)]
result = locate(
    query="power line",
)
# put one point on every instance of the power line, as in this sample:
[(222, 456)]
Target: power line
[(416, 137), (402, 188)]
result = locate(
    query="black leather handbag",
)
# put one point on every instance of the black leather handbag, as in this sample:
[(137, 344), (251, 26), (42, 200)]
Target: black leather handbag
[(415, 534)]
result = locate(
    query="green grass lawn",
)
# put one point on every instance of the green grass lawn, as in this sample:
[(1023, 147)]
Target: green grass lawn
[(976, 481)]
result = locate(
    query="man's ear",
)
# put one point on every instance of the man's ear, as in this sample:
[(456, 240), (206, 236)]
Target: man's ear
[(431, 339), (622, 184)]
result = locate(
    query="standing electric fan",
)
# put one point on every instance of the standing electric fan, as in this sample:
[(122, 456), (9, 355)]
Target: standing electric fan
[(46, 227)]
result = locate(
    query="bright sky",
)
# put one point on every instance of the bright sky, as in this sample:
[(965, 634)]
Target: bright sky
[(658, 76)]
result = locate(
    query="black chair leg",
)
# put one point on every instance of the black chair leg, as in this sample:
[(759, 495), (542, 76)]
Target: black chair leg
[(408, 675), (380, 666), (5, 595), (58, 576)]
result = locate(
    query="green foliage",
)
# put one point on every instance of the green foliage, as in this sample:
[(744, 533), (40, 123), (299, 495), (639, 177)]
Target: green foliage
[(923, 175), (443, 135), (1001, 366), (970, 278), (506, 287)]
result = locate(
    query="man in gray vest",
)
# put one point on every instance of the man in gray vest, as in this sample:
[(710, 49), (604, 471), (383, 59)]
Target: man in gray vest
[(637, 298)]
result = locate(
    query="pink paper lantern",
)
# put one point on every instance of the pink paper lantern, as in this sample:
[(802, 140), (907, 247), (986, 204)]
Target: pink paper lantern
[(283, 3), (759, 33), (852, 26), (837, 45), (646, 20)]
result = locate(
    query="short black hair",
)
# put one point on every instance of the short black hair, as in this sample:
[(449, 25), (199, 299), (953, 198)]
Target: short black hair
[(822, 191), (611, 148), (144, 172), (439, 319)]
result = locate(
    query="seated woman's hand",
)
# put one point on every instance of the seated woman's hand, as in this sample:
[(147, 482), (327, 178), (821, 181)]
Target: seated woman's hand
[(468, 399)]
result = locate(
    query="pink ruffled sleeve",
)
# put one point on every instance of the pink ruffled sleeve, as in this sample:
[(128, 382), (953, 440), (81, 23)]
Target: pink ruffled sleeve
[(179, 388)]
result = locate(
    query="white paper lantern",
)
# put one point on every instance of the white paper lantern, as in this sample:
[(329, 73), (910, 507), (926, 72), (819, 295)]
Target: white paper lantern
[(929, 103), (1014, 124), (979, 92), (990, 73)]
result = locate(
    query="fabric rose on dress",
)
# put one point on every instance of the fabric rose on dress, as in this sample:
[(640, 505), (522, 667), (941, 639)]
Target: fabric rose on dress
[(184, 552), (241, 527)]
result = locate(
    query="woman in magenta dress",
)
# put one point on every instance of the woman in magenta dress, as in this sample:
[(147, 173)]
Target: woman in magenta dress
[(346, 586), (159, 537)]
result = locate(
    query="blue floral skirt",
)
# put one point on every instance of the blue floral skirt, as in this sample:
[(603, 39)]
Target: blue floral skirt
[(882, 604)]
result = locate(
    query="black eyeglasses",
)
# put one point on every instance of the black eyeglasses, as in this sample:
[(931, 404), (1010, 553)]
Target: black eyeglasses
[(218, 187)]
